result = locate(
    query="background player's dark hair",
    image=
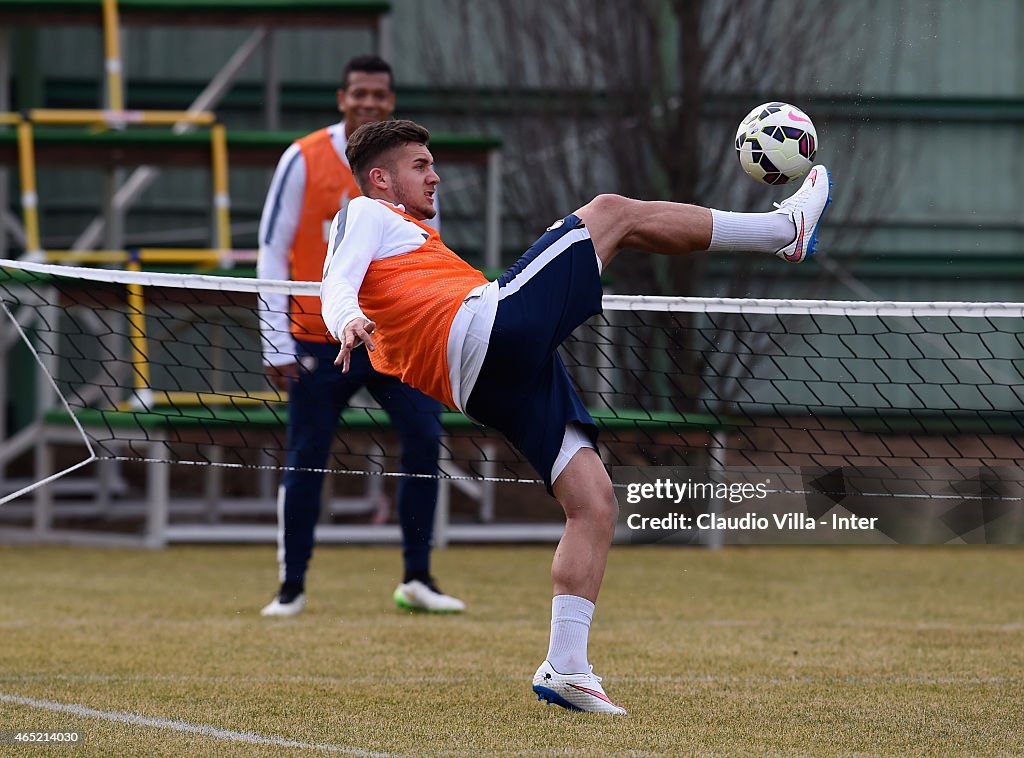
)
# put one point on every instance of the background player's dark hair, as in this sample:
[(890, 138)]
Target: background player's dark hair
[(370, 142), (368, 64)]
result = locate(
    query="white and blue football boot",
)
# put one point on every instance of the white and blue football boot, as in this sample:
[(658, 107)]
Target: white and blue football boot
[(805, 207), (576, 692)]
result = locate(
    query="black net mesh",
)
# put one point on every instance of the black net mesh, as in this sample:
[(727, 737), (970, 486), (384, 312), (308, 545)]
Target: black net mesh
[(175, 373)]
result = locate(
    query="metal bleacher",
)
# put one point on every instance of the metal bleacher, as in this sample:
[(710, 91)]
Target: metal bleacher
[(118, 139)]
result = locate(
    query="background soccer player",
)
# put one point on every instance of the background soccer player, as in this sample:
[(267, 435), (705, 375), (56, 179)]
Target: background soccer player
[(311, 184)]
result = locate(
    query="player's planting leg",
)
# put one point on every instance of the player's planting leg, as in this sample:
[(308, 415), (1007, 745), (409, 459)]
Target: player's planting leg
[(566, 678), (585, 493)]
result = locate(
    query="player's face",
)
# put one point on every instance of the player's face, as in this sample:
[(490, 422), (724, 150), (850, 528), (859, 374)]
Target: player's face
[(413, 180), (367, 97)]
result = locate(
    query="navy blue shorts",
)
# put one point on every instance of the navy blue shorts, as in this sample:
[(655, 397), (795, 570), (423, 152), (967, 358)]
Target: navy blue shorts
[(523, 389)]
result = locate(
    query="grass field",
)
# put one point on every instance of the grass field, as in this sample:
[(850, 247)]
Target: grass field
[(755, 651)]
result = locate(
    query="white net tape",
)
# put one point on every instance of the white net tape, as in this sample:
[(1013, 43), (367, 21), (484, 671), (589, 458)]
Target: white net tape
[(653, 303)]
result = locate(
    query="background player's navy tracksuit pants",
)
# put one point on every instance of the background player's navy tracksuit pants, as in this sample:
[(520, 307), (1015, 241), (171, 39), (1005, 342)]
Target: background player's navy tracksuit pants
[(315, 399)]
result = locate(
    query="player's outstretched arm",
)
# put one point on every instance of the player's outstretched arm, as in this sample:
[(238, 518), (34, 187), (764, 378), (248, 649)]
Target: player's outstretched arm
[(357, 331)]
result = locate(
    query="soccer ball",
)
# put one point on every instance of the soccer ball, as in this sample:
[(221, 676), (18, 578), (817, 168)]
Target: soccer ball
[(776, 143)]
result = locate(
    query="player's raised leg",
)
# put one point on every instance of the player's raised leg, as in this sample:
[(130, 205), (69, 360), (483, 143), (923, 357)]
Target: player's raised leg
[(790, 231), (585, 493)]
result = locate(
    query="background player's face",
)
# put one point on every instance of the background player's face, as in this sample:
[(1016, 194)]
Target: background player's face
[(412, 180), (367, 97)]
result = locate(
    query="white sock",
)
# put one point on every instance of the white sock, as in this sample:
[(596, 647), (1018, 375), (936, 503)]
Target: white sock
[(570, 627), (751, 232)]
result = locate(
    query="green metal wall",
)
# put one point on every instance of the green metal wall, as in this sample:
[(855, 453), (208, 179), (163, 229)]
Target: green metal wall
[(935, 108)]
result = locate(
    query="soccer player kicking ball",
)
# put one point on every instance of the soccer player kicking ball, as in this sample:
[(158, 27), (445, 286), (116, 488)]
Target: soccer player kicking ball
[(490, 348)]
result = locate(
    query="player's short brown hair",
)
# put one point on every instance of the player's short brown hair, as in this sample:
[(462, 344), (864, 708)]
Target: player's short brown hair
[(370, 143)]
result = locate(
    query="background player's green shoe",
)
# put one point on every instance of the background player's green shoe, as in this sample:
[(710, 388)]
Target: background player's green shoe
[(424, 596)]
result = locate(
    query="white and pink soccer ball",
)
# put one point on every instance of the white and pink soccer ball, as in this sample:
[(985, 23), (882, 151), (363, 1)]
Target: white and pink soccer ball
[(776, 143)]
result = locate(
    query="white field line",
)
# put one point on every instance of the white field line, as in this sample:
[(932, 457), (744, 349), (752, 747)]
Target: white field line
[(1013, 627), (175, 725), (851, 679)]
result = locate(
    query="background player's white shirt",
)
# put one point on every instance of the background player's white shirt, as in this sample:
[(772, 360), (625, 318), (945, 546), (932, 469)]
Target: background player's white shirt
[(366, 231), (278, 223)]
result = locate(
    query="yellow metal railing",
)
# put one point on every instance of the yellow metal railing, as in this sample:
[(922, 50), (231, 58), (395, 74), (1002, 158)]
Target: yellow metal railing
[(221, 197), (223, 255), (182, 399), (116, 116), (29, 192), (104, 119), (137, 337), (112, 54), (166, 256)]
